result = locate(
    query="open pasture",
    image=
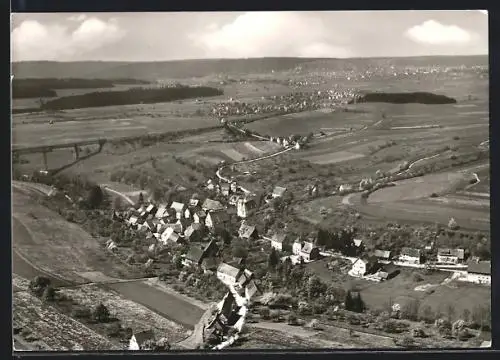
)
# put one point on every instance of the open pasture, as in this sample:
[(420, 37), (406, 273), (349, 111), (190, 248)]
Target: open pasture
[(43, 133), (310, 121), (416, 188), (426, 212), (401, 290)]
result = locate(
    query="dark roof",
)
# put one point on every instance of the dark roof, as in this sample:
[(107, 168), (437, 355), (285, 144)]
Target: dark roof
[(195, 254), (201, 213), (483, 267), (142, 336), (219, 217), (410, 252), (210, 204), (228, 270)]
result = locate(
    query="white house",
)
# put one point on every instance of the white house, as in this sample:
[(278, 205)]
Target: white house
[(277, 241), (179, 208), (479, 273), (244, 206), (138, 339), (187, 214), (169, 235), (297, 247), (364, 266), (450, 256), (411, 256)]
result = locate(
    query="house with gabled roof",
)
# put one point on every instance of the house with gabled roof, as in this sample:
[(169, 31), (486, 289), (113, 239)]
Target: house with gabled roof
[(194, 232), (197, 253), (217, 220), (169, 235), (479, 272), (194, 203), (247, 232), (410, 255), (309, 251), (151, 209), (200, 216), (161, 211), (382, 255), (211, 205), (228, 274), (450, 256), (179, 209), (277, 240), (245, 206)]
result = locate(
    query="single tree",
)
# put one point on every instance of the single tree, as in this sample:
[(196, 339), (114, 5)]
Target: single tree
[(49, 294), (38, 285), (101, 313), (95, 197), (273, 259), (348, 301)]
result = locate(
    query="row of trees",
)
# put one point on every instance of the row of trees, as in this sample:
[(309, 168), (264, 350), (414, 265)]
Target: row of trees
[(342, 240)]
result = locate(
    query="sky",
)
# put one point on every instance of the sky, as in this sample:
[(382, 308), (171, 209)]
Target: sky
[(200, 35)]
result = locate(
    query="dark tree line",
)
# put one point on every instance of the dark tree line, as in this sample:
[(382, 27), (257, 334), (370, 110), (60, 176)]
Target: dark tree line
[(129, 97), (406, 98)]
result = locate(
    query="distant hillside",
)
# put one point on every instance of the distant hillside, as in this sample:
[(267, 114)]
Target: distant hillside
[(197, 68)]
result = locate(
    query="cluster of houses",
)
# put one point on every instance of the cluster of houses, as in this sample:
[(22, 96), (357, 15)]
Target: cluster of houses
[(382, 265)]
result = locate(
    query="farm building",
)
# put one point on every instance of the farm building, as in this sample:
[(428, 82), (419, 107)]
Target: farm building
[(450, 256), (211, 205), (479, 272), (244, 206), (217, 220), (179, 209), (247, 232), (196, 254), (410, 255), (309, 251), (139, 339), (278, 192), (228, 274)]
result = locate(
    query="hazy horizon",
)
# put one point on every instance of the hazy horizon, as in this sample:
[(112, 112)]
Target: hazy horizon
[(160, 37)]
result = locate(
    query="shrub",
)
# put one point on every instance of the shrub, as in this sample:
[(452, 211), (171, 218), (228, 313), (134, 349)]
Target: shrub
[(292, 319), (265, 313), (101, 313), (49, 294)]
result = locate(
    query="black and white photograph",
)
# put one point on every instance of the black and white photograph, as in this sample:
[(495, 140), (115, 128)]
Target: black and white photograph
[(250, 180)]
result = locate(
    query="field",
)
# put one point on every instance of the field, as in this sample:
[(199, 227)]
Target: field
[(401, 289), (47, 329)]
